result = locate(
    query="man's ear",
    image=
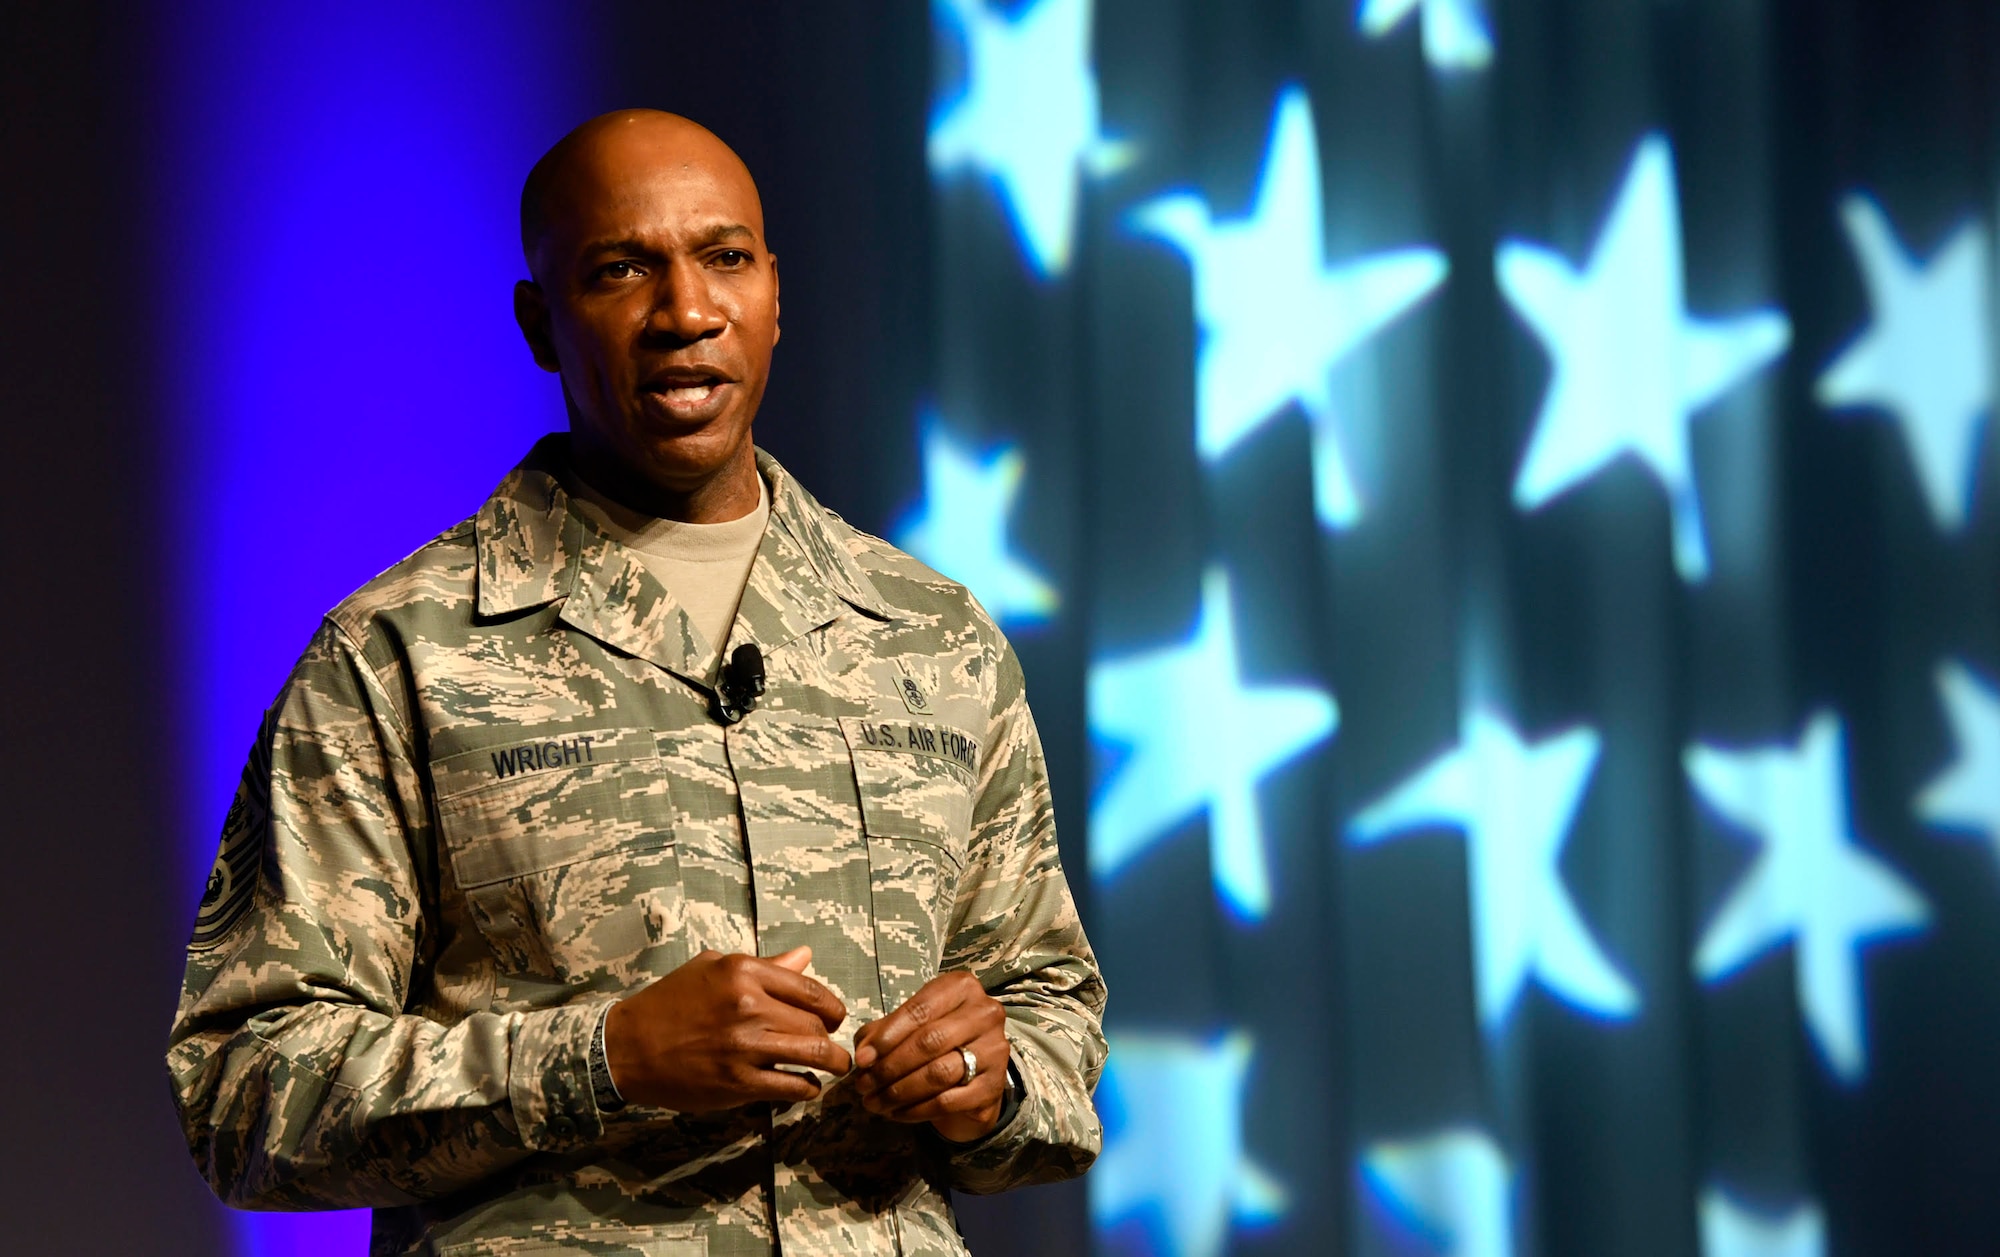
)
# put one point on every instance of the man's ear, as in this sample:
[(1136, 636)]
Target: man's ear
[(777, 331), (531, 311)]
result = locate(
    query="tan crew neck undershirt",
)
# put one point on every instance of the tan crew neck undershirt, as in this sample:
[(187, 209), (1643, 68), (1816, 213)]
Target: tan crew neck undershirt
[(704, 566)]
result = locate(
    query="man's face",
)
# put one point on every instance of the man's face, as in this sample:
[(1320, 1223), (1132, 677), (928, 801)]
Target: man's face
[(657, 302)]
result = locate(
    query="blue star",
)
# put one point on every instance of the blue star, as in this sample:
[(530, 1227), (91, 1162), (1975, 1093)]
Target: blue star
[(1200, 741), (1455, 34), (1812, 882), (1173, 1151), (1028, 117), (1967, 794), (1729, 1230), (961, 528), (1516, 802), (1274, 318), (1454, 1190), (1631, 367), (1928, 358)]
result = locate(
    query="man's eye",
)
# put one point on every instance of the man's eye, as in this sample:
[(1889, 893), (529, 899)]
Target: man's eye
[(619, 270), (731, 258)]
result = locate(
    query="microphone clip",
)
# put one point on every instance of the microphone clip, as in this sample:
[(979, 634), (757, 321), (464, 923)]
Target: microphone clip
[(740, 685)]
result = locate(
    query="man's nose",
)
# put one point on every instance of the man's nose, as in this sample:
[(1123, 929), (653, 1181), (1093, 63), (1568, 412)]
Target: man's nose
[(683, 306)]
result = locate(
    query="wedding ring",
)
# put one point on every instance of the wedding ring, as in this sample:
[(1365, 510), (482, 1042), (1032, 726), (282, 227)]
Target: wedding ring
[(971, 1065)]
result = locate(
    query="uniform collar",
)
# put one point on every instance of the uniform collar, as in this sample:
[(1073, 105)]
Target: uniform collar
[(534, 549)]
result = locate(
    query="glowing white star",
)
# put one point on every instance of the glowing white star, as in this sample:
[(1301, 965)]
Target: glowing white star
[(1966, 795), (1630, 366), (961, 528), (1812, 882), (1455, 34), (1730, 1230), (1173, 1152), (1515, 803), (1028, 117), (1453, 1190), (1928, 358), (1200, 741), (1274, 318)]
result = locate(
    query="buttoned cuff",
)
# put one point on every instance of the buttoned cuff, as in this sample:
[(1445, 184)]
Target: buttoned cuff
[(548, 1077)]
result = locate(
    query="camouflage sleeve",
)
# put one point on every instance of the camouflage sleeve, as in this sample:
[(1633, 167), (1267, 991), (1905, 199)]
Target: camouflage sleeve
[(301, 1080), (1016, 927)]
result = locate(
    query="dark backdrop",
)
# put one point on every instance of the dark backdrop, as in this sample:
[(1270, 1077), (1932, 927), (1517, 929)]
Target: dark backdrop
[(91, 916)]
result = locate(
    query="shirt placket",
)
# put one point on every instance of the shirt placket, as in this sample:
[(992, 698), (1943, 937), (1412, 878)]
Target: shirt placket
[(810, 883)]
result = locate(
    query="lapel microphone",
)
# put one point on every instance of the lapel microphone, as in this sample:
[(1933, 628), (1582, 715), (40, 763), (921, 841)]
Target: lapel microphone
[(740, 685)]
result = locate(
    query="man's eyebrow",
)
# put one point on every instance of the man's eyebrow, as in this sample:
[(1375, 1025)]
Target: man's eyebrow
[(715, 233), (719, 232), (625, 244)]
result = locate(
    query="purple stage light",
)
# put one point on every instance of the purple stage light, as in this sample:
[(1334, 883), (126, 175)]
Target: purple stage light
[(338, 188)]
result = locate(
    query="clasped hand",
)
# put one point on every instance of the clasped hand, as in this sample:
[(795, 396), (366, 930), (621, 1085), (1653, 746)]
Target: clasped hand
[(713, 1034)]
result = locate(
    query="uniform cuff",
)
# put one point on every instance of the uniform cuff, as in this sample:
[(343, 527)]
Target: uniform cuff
[(1010, 1111), (548, 1077), (1054, 1134)]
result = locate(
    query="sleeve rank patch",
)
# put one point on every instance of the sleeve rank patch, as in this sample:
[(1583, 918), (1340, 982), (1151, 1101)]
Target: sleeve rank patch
[(233, 880)]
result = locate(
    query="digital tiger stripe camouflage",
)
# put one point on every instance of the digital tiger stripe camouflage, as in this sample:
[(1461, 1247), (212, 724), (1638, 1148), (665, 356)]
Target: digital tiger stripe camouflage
[(491, 798)]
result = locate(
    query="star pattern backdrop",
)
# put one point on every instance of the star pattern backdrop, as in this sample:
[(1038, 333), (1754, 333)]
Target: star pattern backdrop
[(1515, 485)]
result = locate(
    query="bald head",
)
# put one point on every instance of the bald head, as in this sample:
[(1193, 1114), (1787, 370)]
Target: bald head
[(605, 155)]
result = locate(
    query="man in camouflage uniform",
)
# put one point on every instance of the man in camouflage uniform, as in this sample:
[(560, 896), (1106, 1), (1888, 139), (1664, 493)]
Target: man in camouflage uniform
[(522, 933)]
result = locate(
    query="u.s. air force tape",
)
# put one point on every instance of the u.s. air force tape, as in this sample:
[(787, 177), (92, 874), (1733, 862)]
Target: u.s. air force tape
[(918, 737)]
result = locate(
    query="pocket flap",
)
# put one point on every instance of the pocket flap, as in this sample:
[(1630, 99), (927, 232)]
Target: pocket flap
[(539, 808), (915, 779)]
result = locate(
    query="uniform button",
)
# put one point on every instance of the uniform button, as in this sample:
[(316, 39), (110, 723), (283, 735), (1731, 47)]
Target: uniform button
[(561, 1127)]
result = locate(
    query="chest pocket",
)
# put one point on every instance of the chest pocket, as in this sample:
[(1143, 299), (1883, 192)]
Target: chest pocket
[(563, 846), (915, 779)]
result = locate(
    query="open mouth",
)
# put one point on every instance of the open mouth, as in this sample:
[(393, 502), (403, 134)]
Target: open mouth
[(687, 392), (686, 388)]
